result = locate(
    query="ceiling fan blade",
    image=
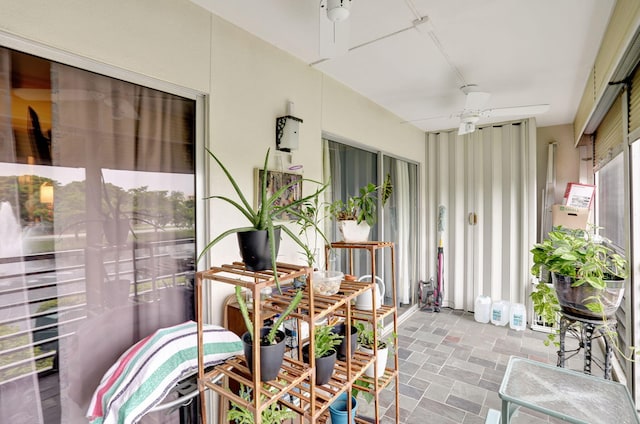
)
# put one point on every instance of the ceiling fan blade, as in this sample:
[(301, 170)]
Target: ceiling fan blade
[(428, 118), (516, 110), (334, 36), (476, 100)]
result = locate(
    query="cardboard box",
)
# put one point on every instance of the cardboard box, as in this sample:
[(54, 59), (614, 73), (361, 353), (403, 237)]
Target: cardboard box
[(569, 217), (579, 195)]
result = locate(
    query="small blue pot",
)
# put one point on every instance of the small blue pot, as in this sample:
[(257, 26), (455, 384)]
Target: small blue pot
[(338, 409)]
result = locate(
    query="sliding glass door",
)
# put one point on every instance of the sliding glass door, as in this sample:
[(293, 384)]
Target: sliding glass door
[(400, 225), (350, 168), (97, 183)]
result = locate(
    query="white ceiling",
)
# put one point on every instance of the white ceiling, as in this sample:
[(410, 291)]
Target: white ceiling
[(523, 52)]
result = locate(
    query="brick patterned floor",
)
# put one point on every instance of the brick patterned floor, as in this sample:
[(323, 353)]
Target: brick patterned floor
[(451, 368)]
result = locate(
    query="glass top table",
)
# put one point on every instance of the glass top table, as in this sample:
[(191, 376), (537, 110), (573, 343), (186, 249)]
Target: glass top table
[(566, 394)]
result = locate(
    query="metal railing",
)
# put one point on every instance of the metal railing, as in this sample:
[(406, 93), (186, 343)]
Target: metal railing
[(48, 300)]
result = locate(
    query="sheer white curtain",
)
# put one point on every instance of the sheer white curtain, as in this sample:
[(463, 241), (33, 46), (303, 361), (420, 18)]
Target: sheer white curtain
[(349, 169), (404, 234), (108, 127), (19, 388)]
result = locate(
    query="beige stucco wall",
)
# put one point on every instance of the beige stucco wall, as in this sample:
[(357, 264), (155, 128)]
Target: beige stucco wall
[(165, 39), (251, 84), (567, 161)]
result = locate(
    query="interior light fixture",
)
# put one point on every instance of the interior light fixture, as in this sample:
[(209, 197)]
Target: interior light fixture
[(46, 193), (338, 10), (287, 130)]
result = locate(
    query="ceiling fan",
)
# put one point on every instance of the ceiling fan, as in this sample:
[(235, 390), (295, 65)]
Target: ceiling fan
[(334, 27), (335, 30), (474, 109)]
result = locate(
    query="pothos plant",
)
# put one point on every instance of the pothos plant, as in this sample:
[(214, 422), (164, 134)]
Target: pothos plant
[(578, 254), (581, 255)]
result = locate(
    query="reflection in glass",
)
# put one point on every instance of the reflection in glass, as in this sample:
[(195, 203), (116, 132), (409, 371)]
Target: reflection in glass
[(96, 230)]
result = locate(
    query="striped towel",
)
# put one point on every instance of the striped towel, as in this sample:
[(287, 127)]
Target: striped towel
[(148, 370)]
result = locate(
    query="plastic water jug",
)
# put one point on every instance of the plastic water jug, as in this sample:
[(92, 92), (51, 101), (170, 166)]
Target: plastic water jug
[(500, 312), (518, 317), (482, 311)]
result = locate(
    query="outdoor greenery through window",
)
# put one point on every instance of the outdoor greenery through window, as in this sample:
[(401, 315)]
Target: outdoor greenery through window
[(96, 227)]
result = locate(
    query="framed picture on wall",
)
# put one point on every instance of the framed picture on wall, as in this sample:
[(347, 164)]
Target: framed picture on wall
[(275, 181)]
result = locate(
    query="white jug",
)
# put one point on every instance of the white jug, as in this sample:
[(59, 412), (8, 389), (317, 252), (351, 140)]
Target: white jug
[(500, 312), (518, 317), (364, 300), (482, 311)]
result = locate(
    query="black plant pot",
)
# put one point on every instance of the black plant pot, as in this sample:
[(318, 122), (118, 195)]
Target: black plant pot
[(271, 356), (255, 249), (342, 349), (324, 365)]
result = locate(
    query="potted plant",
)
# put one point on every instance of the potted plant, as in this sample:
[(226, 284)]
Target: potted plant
[(587, 275), (309, 218), (367, 345), (272, 340), (341, 329), (339, 409), (273, 414), (357, 214), (325, 342), (259, 241)]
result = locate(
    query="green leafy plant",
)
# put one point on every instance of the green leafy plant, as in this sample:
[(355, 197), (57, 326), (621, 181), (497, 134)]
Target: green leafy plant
[(273, 414), (325, 341), (546, 306), (578, 254), (270, 338), (366, 336), (363, 206), (309, 220), (362, 386), (262, 218)]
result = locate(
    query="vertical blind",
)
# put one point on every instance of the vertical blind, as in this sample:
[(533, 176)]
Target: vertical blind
[(634, 102), (609, 133)]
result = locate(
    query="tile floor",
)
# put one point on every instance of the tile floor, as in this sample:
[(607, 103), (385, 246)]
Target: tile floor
[(451, 368)]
